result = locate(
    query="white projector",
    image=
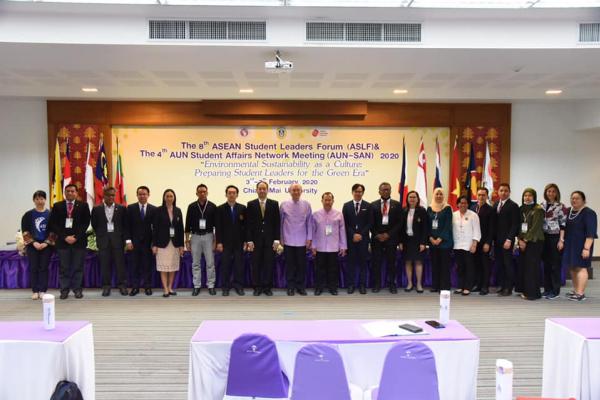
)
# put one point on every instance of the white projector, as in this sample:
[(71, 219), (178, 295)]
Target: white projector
[(279, 65)]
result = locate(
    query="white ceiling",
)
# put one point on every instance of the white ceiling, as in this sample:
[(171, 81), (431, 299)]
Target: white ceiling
[(59, 71)]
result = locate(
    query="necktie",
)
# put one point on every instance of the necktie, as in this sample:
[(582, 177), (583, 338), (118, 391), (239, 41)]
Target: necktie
[(500, 206), (143, 212), (233, 215), (69, 208), (262, 209), (385, 207), (356, 208)]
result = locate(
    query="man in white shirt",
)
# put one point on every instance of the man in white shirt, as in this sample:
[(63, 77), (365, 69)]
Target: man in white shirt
[(466, 233)]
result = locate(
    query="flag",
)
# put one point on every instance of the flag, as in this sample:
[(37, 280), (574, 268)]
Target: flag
[(56, 194), (487, 181), (438, 166), (454, 192), (89, 178), (421, 182), (67, 167), (101, 174), (120, 197), (403, 188), (471, 176)]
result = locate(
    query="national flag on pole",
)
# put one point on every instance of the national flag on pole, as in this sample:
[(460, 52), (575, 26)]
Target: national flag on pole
[(56, 194), (421, 181), (67, 167), (89, 178), (403, 188), (120, 197), (487, 180), (454, 192), (101, 174), (438, 166), (471, 176)]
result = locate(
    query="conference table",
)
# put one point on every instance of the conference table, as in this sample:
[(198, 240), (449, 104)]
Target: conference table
[(33, 360), (455, 348), (572, 358)]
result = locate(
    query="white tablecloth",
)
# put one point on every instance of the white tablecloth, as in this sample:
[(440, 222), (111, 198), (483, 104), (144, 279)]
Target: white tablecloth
[(457, 359), (30, 367), (572, 358)]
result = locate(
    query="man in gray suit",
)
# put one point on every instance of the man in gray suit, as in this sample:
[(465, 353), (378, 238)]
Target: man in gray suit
[(109, 221)]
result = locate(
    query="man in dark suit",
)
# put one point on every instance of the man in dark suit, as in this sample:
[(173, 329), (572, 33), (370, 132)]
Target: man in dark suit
[(139, 220), (487, 217), (230, 235), (507, 228), (385, 236), (262, 235), (358, 218), (69, 221), (109, 221)]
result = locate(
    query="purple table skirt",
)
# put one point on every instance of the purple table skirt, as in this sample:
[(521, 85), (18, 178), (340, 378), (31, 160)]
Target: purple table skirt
[(330, 331), (34, 331), (589, 328), (14, 272)]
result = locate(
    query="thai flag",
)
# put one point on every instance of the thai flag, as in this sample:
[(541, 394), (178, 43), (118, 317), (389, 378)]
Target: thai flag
[(101, 174), (403, 188), (438, 166)]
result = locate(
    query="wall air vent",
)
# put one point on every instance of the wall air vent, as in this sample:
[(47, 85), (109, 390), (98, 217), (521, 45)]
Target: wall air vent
[(207, 30), (589, 32), (363, 32)]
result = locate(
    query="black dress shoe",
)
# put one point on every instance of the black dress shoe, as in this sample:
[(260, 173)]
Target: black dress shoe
[(410, 289), (64, 294), (225, 292), (134, 291), (106, 292), (78, 293), (302, 292), (124, 291), (212, 291), (476, 289), (505, 293), (196, 291), (240, 291), (350, 289), (148, 292), (268, 292), (257, 292), (290, 292), (173, 293), (165, 294), (483, 292), (362, 290), (420, 291), (432, 290), (458, 291), (393, 289), (318, 292), (333, 292), (376, 289)]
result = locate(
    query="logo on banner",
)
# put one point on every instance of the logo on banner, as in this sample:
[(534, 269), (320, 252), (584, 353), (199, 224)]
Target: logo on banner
[(281, 132), (243, 132), (319, 132)]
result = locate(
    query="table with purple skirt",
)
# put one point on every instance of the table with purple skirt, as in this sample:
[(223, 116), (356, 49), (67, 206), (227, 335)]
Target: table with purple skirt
[(455, 348), (14, 272)]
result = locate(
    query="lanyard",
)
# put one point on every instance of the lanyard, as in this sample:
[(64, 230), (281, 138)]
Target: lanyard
[(203, 209)]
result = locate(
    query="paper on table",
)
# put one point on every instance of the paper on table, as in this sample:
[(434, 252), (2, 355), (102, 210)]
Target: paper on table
[(390, 328)]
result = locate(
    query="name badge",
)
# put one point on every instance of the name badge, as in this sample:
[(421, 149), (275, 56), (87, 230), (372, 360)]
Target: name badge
[(110, 227), (202, 224), (172, 232), (328, 230), (434, 224), (385, 220), (69, 223), (524, 227), (553, 225)]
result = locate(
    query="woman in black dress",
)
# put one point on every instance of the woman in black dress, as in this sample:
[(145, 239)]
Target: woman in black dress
[(414, 240)]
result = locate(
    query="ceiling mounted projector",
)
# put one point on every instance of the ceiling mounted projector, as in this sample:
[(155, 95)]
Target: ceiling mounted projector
[(279, 65)]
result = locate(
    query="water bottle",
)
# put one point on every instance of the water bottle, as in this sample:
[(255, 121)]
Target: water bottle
[(49, 316), (504, 380), (444, 306)]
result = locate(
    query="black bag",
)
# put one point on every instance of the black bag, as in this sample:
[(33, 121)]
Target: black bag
[(66, 390)]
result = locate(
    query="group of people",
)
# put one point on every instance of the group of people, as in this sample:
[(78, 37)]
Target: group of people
[(364, 232)]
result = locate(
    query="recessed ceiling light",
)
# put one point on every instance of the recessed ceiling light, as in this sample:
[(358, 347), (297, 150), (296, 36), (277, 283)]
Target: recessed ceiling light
[(89, 89), (400, 91), (246, 90), (553, 91)]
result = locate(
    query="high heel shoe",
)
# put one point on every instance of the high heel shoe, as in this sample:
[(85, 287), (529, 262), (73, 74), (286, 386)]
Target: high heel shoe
[(410, 289), (419, 290)]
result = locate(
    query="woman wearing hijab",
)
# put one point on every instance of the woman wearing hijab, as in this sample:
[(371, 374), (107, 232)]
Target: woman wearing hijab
[(414, 239), (531, 244), (440, 241), (580, 232)]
